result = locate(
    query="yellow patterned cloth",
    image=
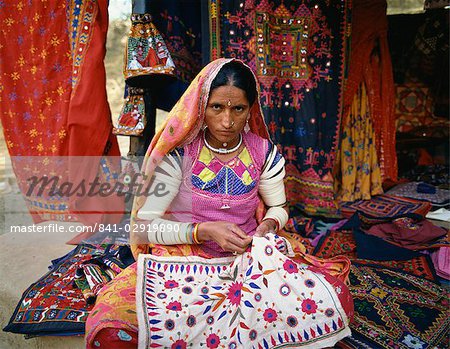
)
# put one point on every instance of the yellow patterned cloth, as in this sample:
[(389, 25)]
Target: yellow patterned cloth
[(359, 175)]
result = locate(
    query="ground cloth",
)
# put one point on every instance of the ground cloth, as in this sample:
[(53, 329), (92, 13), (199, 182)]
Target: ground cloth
[(394, 309), (53, 305)]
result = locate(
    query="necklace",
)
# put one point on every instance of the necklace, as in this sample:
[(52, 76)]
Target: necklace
[(222, 150)]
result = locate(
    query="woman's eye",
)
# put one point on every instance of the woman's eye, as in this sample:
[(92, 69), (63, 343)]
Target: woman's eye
[(239, 109), (215, 107)]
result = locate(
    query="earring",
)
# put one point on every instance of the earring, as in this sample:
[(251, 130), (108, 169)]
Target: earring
[(246, 127)]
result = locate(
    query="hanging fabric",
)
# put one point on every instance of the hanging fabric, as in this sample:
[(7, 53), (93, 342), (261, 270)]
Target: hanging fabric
[(359, 176), (54, 118), (297, 51), (370, 63)]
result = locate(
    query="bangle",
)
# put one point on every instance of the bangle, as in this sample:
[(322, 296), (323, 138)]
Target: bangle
[(194, 235)]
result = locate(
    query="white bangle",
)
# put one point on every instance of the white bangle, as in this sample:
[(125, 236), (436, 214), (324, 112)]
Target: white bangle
[(279, 214)]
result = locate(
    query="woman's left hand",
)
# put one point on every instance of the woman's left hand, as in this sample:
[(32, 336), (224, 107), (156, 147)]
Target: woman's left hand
[(266, 226)]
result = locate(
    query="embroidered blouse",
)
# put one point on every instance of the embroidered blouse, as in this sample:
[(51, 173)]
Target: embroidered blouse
[(198, 170)]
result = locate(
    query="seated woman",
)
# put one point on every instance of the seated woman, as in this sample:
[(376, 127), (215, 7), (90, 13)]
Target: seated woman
[(218, 276)]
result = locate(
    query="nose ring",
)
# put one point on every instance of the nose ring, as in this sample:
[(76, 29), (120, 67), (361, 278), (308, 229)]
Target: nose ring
[(232, 123)]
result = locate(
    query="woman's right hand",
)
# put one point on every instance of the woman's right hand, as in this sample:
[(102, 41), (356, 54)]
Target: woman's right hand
[(227, 235)]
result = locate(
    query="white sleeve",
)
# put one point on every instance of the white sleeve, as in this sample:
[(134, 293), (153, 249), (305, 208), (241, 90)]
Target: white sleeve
[(168, 175), (271, 187)]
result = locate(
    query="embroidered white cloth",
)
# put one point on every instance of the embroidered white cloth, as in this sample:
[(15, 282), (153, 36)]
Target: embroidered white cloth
[(260, 299)]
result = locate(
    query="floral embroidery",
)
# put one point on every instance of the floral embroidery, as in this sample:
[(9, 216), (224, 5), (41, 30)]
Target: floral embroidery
[(270, 315), (179, 344), (212, 341), (191, 321), (234, 293), (290, 266), (171, 284), (309, 306), (175, 306), (227, 294)]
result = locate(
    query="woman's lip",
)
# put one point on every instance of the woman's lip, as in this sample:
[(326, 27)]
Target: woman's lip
[(226, 132)]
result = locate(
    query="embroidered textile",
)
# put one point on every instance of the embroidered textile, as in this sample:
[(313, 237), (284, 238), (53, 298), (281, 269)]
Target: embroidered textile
[(297, 52), (394, 309), (440, 197), (336, 243), (359, 175), (413, 104), (370, 64), (146, 52), (115, 307), (53, 305), (132, 118), (176, 306), (106, 262), (210, 175), (50, 55), (384, 208), (180, 25), (411, 233)]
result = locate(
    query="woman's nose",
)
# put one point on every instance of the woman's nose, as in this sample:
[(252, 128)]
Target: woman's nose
[(227, 120)]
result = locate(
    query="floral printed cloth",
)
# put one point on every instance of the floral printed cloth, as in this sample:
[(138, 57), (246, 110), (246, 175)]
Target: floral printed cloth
[(260, 299)]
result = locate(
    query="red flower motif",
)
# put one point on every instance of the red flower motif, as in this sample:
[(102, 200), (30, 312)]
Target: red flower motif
[(270, 315), (290, 266), (309, 306), (170, 284), (175, 306), (179, 344), (234, 293), (212, 341)]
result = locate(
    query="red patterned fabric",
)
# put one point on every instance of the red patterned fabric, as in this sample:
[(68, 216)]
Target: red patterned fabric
[(370, 63), (53, 100)]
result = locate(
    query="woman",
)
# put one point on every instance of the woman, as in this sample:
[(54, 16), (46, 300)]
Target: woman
[(217, 165)]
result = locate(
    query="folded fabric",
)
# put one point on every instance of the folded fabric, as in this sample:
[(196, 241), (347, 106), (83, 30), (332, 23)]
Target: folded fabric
[(408, 232), (53, 305), (422, 191), (441, 261), (377, 249), (384, 208), (426, 188), (93, 274), (441, 214)]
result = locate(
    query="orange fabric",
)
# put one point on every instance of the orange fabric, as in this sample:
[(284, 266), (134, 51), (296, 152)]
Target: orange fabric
[(53, 101), (370, 63)]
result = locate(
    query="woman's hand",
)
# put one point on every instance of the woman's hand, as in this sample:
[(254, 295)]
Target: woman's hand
[(227, 235), (266, 226)]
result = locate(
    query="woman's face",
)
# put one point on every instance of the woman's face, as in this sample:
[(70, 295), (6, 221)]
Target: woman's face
[(226, 114)]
